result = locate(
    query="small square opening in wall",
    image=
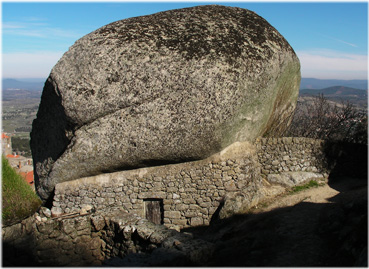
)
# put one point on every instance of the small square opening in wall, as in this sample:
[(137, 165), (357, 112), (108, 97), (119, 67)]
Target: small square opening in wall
[(154, 210)]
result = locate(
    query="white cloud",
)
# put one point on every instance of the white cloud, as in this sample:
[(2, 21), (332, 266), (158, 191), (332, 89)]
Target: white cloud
[(328, 64), (12, 25), (29, 65), (36, 29), (338, 40)]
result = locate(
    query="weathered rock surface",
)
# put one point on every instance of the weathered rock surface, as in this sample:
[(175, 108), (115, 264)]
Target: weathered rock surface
[(170, 87), (290, 179)]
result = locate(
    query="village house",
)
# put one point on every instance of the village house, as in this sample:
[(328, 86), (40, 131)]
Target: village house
[(6, 144), (22, 165)]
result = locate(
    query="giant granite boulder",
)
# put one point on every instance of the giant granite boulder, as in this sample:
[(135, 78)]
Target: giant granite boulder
[(174, 86)]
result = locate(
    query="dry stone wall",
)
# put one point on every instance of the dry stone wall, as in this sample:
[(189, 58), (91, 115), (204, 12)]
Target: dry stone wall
[(291, 154), (192, 193), (95, 239)]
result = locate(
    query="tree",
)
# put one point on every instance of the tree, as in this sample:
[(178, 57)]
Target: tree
[(321, 119)]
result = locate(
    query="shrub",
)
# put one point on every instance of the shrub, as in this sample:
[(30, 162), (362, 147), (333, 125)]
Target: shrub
[(310, 184), (18, 199), (321, 119), (22, 145)]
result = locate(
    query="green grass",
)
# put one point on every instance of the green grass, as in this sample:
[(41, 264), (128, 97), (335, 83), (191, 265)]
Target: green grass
[(309, 185), (18, 199)]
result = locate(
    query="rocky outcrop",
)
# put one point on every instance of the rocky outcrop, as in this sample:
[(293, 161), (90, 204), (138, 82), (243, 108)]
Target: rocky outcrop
[(169, 87)]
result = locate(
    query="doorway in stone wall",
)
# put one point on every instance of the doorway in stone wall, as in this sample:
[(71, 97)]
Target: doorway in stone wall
[(154, 210)]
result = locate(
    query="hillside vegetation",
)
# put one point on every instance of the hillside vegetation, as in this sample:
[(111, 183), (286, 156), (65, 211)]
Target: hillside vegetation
[(319, 118), (18, 199)]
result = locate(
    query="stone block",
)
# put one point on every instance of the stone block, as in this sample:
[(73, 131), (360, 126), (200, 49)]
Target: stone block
[(194, 207), (188, 201), (180, 222), (168, 207), (47, 244), (46, 228), (204, 211), (118, 189), (176, 196), (181, 207), (205, 204), (56, 211), (54, 234), (172, 189), (172, 214), (85, 231), (230, 186), (68, 226), (156, 195), (196, 221), (168, 202), (178, 201), (190, 214)]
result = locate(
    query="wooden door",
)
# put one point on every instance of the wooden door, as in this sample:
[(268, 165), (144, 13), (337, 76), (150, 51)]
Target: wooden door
[(154, 210)]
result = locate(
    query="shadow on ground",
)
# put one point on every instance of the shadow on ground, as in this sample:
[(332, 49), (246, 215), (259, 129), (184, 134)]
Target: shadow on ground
[(333, 234), (307, 234), (330, 234)]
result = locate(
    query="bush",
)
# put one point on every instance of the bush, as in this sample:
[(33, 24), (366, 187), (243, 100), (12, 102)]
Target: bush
[(21, 144), (18, 199), (321, 119), (309, 185)]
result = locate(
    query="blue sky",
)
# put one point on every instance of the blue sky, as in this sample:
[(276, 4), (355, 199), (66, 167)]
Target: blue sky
[(330, 38)]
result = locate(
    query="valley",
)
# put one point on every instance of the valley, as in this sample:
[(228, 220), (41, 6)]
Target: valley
[(20, 106)]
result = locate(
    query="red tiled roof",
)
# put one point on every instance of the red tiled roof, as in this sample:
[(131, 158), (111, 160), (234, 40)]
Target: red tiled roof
[(4, 136), (12, 156), (28, 177)]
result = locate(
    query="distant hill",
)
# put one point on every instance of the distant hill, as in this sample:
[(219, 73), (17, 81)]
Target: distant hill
[(313, 83), (340, 93), (12, 94), (32, 84), (337, 91)]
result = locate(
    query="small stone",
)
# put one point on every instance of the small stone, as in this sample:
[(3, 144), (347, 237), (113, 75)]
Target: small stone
[(196, 221), (45, 212), (87, 208), (56, 212), (230, 186)]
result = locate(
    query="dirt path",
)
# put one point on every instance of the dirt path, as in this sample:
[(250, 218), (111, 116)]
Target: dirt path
[(320, 194), (323, 226)]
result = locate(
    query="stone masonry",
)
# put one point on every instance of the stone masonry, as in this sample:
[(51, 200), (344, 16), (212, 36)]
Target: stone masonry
[(96, 238), (291, 154), (192, 192)]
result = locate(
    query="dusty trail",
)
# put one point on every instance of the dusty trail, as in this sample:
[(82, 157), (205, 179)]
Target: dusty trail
[(323, 226)]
